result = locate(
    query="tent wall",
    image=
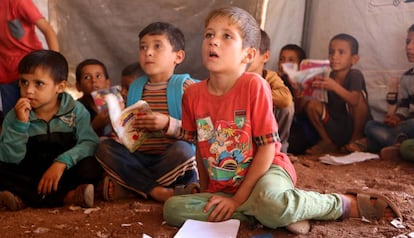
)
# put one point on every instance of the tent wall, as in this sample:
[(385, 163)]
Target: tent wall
[(284, 25), (108, 29)]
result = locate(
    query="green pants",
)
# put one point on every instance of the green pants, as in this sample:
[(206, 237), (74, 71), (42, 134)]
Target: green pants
[(274, 202), (407, 150)]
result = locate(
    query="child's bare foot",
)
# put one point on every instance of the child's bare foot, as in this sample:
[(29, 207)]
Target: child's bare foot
[(371, 206), (11, 201), (82, 196), (162, 194)]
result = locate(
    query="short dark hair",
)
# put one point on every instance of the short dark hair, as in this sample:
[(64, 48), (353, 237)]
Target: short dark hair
[(86, 62), (49, 60), (411, 28), (173, 33), (133, 69), (353, 43), (264, 42), (244, 21), (298, 50)]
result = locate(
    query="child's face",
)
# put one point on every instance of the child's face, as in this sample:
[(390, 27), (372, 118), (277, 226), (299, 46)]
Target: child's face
[(223, 47), (125, 82), (92, 78), (156, 56), (287, 56), (340, 55), (410, 46), (40, 89)]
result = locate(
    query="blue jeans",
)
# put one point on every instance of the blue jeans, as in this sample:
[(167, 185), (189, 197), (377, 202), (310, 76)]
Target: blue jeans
[(142, 172), (380, 135), (274, 202)]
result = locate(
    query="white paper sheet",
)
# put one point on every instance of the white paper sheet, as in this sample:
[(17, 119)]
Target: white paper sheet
[(203, 229), (348, 159)]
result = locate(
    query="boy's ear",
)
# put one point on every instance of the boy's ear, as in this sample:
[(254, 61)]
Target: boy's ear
[(355, 59), (179, 56), (250, 54), (62, 86), (266, 56)]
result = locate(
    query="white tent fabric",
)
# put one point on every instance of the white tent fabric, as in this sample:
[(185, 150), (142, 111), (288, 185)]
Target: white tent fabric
[(107, 30)]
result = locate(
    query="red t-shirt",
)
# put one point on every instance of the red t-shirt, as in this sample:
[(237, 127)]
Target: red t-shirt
[(228, 129), (12, 50)]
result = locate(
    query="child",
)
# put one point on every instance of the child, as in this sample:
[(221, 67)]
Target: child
[(91, 75), (163, 165), (282, 98), (302, 133), (128, 75), (18, 21), (289, 53), (342, 119), (47, 145), (399, 125), (242, 172)]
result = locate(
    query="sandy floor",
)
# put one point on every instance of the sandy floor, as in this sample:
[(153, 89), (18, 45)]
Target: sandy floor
[(132, 218)]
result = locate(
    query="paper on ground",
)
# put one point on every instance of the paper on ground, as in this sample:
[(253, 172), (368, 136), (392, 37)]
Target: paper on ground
[(354, 157), (204, 229)]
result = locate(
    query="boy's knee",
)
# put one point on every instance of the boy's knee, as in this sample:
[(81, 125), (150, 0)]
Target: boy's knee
[(172, 211), (407, 150)]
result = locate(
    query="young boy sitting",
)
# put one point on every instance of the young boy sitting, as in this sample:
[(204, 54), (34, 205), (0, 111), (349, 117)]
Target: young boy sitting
[(91, 75), (163, 165), (47, 145), (243, 174), (281, 95), (341, 120)]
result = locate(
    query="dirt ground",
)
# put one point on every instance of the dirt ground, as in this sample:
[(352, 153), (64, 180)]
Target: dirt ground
[(132, 218)]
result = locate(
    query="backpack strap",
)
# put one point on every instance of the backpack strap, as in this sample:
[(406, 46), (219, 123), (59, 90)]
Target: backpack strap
[(174, 92)]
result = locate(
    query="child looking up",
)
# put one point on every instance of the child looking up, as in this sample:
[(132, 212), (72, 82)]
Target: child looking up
[(243, 174), (47, 145), (341, 120), (91, 75), (163, 165), (281, 96)]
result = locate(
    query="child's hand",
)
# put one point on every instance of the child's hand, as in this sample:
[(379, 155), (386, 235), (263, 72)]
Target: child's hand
[(324, 83), (22, 109), (223, 210), (154, 121), (50, 179), (392, 120)]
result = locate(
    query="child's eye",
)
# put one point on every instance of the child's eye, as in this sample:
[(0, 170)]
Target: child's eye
[(208, 35), (23, 82), (143, 47), (227, 36), (39, 84), (407, 41), (99, 76), (157, 46), (86, 77)]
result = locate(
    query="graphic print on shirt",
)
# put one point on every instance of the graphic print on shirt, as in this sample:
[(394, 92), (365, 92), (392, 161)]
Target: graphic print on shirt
[(225, 150)]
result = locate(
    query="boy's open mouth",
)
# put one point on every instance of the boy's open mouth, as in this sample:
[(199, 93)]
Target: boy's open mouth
[(213, 54)]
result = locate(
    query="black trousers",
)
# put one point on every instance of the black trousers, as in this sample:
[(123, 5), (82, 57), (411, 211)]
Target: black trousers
[(22, 180)]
